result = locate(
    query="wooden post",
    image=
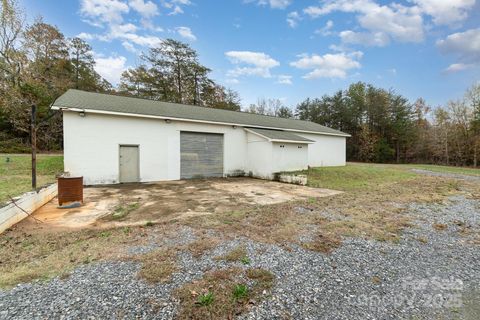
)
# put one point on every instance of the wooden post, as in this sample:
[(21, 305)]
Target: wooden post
[(34, 146)]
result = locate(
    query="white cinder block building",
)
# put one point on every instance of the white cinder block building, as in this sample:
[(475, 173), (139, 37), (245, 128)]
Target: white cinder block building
[(112, 139)]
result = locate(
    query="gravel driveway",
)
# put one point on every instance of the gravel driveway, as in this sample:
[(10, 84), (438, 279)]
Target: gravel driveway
[(448, 175), (429, 274)]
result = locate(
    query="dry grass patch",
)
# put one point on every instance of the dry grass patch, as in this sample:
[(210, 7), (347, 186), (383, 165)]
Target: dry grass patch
[(368, 210), (202, 245), (222, 294), (323, 242), (237, 254), (264, 278), (28, 256), (422, 240), (440, 226), (158, 266)]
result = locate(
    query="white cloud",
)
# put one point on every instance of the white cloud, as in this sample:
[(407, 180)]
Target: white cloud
[(329, 65), (257, 64), (293, 18), (274, 4), (186, 33), (108, 14), (148, 24), (446, 12), (401, 23), (326, 30), (147, 41), (99, 12), (393, 71), (284, 79), (176, 5), (86, 36), (465, 45), (248, 71), (118, 29), (457, 67), (279, 4), (394, 21), (146, 9), (378, 39), (258, 59), (338, 48), (128, 32), (176, 10), (110, 68), (232, 81), (129, 47)]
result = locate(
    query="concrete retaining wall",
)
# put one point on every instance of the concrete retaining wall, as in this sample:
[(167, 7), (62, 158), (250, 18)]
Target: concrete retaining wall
[(292, 179), (30, 201)]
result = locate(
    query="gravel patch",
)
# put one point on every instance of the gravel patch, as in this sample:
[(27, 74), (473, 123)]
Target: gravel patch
[(101, 290), (183, 236), (302, 210), (362, 279), (374, 280), (447, 175)]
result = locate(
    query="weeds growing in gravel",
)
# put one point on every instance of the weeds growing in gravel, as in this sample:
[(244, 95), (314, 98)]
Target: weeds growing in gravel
[(158, 265), (245, 260), (202, 245), (238, 254), (263, 278), (323, 242), (28, 256), (206, 299), (440, 226), (224, 293), (240, 291), (122, 210)]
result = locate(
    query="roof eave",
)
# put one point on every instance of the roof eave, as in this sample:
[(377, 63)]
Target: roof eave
[(303, 141), (291, 141), (64, 108)]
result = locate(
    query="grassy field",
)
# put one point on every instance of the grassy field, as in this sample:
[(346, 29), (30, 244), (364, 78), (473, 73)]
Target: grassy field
[(15, 173), (356, 176)]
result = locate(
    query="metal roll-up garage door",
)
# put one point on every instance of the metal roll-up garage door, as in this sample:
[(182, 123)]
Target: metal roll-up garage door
[(201, 155)]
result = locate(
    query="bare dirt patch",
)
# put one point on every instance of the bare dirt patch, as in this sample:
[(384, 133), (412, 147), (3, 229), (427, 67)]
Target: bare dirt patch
[(271, 192), (376, 213), (137, 204)]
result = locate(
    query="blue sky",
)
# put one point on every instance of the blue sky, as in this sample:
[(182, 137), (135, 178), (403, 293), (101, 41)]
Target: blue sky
[(289, 49)]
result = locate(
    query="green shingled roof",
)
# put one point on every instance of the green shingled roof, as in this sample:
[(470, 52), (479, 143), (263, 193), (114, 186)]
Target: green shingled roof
[(112, 103), (277, 135)]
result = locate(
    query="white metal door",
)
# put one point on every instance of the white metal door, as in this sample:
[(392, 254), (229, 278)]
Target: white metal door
[(129, 168)]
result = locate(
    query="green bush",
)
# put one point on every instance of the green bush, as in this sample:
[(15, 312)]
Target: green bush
[(14, 145)]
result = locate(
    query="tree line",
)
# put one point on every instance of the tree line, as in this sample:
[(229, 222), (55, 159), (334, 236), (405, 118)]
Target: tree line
[(172, 72), (386, 127), (38, 64)]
